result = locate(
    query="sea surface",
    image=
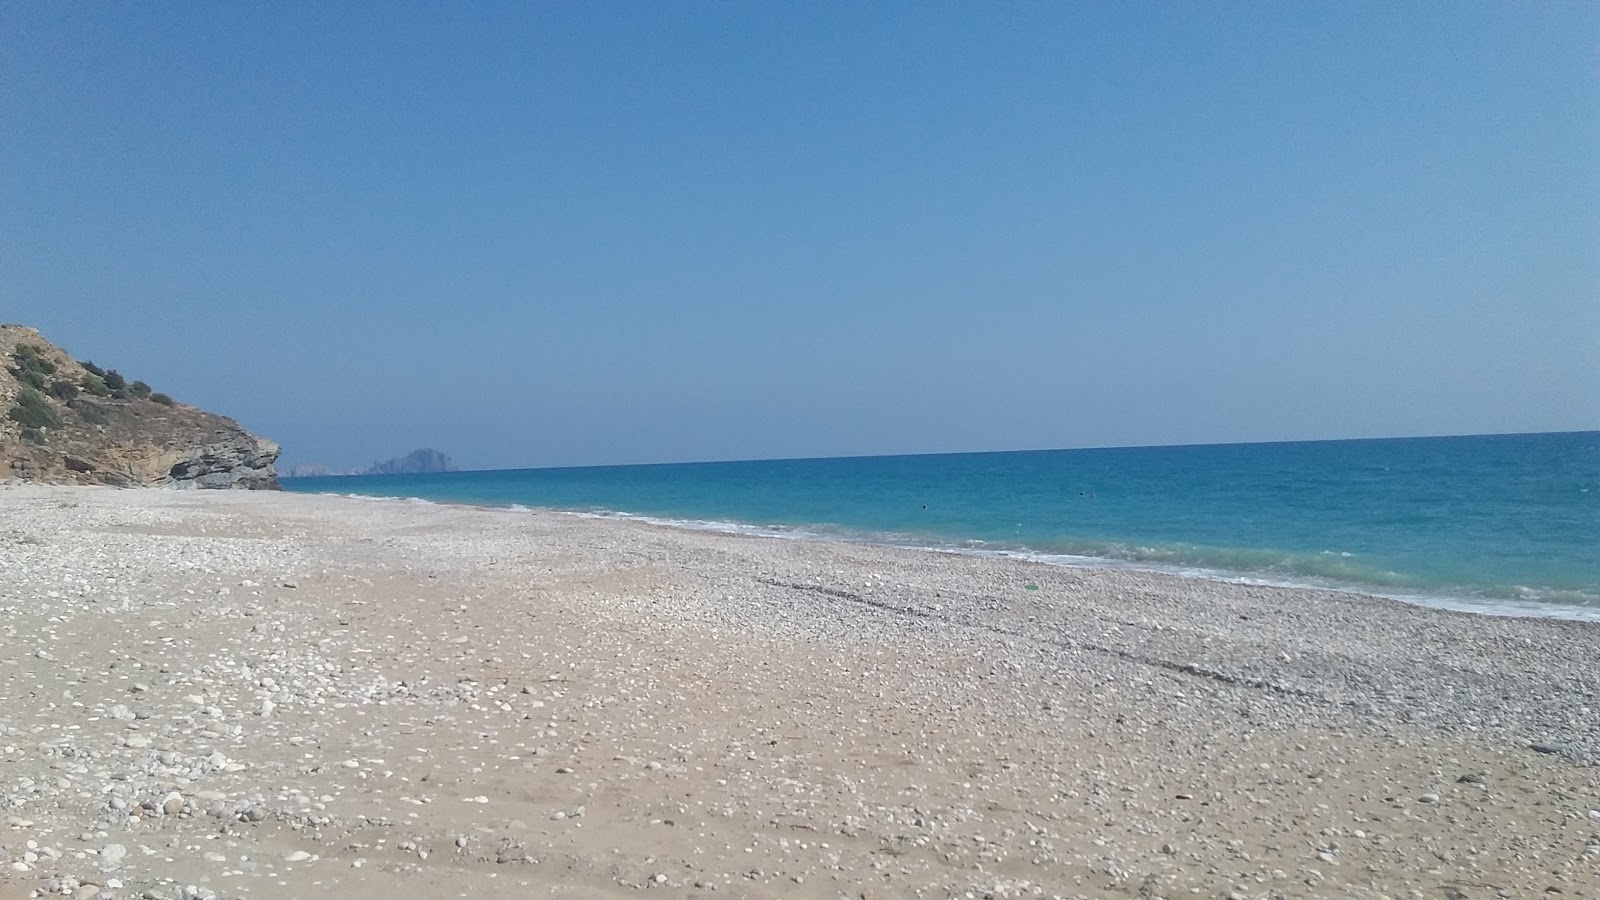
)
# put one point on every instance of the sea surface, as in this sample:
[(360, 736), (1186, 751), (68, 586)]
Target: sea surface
[(1506, 524)]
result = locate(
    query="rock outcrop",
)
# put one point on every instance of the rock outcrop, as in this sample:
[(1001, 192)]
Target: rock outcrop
[(65, 423)]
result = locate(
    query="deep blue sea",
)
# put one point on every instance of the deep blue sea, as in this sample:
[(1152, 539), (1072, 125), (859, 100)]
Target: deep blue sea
[(1502, 523)]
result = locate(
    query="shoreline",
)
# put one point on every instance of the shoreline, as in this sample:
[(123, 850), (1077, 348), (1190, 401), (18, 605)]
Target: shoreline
[(297, 695), (1500, 607)]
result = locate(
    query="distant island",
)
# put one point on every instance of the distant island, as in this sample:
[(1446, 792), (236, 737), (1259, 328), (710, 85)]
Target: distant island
[(416, 462)]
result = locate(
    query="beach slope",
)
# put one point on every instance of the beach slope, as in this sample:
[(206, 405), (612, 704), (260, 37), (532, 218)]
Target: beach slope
[(240, 695)]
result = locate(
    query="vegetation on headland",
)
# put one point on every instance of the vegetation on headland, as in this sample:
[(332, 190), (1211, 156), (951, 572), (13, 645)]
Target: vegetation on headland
[(41, 383), (32, 410), (73, 422), (111, 383)]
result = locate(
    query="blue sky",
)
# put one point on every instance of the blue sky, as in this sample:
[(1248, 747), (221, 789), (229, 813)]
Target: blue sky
[(554, 234)]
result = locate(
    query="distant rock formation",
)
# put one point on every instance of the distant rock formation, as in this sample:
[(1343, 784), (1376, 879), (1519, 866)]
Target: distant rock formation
[(75, 423), (414, 463), (313, 470)]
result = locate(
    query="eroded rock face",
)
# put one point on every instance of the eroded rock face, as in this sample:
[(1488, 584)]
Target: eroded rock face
[(137, 439), (228, 464)]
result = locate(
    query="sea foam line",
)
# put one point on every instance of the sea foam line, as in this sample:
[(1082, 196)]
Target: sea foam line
[(1475, 605), (1531, 609)]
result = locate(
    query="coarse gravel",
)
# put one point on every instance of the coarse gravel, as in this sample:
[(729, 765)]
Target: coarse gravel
[(237, 695)]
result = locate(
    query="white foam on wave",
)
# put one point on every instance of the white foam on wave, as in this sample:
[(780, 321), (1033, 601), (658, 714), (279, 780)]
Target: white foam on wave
[(713, 525), (1529, 608), (1521, 609)]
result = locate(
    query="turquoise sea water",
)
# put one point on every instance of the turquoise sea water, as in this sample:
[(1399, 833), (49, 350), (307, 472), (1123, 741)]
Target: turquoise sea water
[(1503, 523)]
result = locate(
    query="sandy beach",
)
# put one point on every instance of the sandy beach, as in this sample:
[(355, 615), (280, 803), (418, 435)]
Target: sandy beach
[(231, 695)]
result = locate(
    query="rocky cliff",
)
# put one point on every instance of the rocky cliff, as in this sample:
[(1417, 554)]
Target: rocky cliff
[(75, 423)]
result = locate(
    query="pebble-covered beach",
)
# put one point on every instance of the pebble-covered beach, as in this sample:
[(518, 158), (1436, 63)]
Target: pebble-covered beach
[(254, 695)]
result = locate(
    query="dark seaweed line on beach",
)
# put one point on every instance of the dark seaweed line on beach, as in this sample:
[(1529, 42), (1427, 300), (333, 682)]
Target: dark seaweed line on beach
[(1189, 669)]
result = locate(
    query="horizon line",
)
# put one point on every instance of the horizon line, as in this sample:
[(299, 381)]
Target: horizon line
[(755, 459)]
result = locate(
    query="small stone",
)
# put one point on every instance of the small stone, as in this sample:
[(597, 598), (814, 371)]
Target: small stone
[(111, 855), (661, 878), (1429, 797), (138, 687), (296, 856), (136, 741)]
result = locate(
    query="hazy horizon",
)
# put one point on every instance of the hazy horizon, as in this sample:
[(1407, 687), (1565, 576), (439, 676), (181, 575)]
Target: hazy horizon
[(603, 234), (342, 470)]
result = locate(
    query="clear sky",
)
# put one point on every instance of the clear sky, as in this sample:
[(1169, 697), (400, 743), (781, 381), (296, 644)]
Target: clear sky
[(550, 234)]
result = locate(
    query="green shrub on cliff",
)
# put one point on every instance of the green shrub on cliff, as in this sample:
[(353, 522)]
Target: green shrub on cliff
[(30, 367), (65, 391), (94, 384), (28, 359), (32, 410), (162, 399), (139, 389)]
